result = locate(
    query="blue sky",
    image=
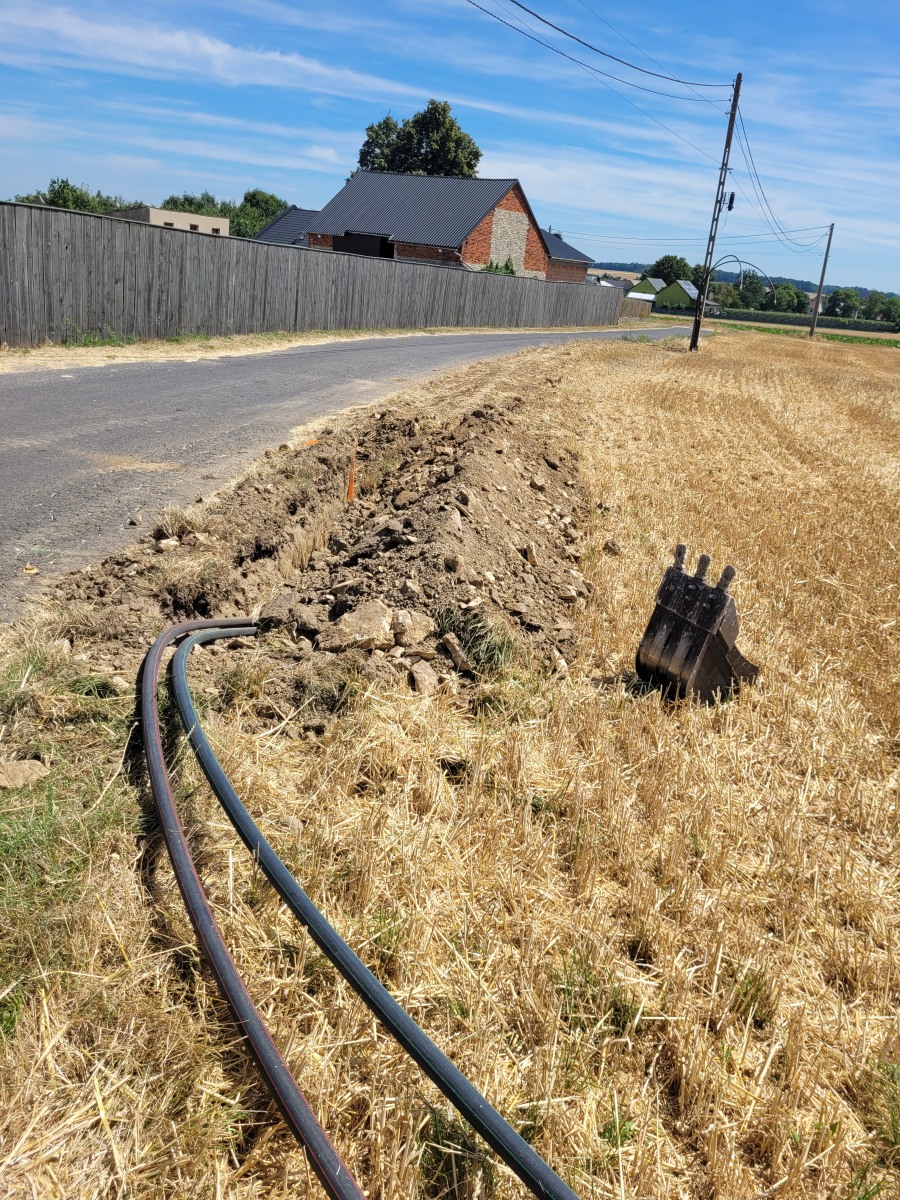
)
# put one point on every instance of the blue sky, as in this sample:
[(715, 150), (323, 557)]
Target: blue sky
[(154, 99)]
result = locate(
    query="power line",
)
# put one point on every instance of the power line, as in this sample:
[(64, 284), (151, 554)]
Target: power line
[(624, 62), (745, 238), (745, 143), (592, 71), (532, 37), (649, 57)]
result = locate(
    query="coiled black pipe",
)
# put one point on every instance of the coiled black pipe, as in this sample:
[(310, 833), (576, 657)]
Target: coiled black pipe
[(299, 1117), (500, 1136)]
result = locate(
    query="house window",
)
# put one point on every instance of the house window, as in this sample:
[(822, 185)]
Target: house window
[(169, 224), (217, 231), (196, 228)]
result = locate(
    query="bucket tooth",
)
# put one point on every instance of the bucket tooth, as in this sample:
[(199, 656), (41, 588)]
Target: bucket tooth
[(688, 648)]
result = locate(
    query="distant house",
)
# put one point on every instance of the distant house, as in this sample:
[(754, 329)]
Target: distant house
[(289, 228), (193, 222), (680, 294), (566, 265), (649, 287), (447, 221)]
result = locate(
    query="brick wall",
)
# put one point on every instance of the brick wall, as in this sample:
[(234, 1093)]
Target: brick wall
[(324, 241), (559, 271), (477, 248)]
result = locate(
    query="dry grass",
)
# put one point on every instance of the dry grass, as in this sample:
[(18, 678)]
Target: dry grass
[(190, 347), (661, 938)]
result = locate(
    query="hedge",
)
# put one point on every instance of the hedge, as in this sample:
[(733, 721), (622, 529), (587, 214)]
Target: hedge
[(786, 318)]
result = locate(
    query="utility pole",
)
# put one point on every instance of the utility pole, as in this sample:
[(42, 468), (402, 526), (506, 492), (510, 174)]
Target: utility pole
[(717, 212), (818, 304)]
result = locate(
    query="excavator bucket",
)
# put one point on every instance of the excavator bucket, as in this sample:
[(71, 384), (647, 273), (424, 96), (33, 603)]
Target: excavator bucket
[(689, 646)]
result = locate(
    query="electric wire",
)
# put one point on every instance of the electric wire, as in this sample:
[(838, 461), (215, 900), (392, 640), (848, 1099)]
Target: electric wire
[(633, 66), (592, 71), (535, 37), (745, 145), (542, 1181)]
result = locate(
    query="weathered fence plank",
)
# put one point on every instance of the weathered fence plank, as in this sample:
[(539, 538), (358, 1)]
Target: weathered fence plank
[(63, 274)]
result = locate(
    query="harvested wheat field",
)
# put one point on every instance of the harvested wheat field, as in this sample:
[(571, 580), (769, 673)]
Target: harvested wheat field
[(661, 938)]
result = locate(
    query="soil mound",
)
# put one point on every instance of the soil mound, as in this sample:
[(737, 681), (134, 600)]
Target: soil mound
[(425, 551)]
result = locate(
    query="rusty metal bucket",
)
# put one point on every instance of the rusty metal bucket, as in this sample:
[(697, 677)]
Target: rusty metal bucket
[(689, 647)]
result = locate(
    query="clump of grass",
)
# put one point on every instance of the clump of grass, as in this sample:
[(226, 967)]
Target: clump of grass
[(175, 521), (488, 647), (454, 1164), (76, 336)]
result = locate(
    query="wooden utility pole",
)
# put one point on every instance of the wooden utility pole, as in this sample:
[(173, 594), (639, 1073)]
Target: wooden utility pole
[(717, 212), (818, 304)]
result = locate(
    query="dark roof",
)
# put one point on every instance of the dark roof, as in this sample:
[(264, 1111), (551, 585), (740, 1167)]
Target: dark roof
[(288, 227), (430, 210), (557, 248)]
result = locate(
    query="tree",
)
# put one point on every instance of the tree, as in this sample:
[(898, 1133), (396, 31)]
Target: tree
[(784, 298), (668, 268), (696, 276), (381, 140), (753, 291), (61, 193), (873, 306), (253, 213), (802, 305), (843, 302), (430, 142), (727, 295), (890, 311)]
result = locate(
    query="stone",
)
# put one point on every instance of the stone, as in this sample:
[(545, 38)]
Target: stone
[(21, 774), (166, 544), (568, 595), (552, 463), (197, 538), (539, 483), (411, 589), (136, 519), (424, 678), (612, 547), (453, 646), (455, 563), (411, 627), (286, 611), (367, 627), (404, 499), (464, 497), (529, 553)]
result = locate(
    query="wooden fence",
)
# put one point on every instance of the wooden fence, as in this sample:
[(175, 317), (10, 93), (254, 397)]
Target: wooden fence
[(64, 274)]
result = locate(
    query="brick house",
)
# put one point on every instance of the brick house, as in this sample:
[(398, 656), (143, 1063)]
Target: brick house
[(446, 221)]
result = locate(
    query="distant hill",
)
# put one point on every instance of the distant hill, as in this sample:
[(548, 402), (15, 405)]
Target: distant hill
[(805, 285)]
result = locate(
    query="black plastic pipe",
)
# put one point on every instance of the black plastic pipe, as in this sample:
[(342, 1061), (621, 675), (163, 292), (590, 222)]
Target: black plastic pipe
[(299, 1117), (500, 1136)]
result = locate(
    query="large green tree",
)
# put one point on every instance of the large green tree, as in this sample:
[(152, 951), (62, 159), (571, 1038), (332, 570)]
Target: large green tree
[(669, 268), (61, 193), (430, 142), (753, 290), (873, 306), (843, 302)]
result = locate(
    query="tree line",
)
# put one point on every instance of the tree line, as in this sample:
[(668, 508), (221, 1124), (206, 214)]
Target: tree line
[(247, 216), (755, 293)]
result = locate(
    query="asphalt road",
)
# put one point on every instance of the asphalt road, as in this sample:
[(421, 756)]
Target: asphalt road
[(83, 450)]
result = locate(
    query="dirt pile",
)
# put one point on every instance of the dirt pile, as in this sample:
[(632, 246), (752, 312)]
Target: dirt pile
[(459, 544)]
